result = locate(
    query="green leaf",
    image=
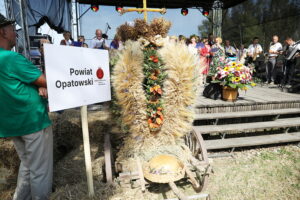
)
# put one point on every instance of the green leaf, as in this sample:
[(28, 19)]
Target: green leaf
[(241, 86), (216, 81), (232, 85)]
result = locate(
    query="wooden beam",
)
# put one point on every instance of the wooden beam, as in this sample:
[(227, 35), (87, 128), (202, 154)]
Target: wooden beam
[(280, 123), (252, 141), (255, 113)]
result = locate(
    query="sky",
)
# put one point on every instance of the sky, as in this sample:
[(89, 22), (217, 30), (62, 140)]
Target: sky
[(2, 7), (184, 25)]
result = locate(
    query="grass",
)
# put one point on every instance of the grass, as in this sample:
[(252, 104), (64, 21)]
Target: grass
[(262, 174), (258, 174)]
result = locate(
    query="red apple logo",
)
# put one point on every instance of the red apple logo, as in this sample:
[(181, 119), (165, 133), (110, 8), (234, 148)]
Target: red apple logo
[(100, 73)]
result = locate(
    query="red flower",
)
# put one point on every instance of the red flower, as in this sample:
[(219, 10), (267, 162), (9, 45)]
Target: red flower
[(154, 59)]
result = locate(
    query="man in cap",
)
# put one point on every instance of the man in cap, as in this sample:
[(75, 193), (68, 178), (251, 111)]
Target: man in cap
[(24, 117)]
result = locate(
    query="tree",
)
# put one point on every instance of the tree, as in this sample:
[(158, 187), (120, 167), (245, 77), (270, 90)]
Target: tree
[(206, 28), (261, 19)]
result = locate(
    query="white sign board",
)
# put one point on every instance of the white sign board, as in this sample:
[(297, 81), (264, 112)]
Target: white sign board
[(76, 76)]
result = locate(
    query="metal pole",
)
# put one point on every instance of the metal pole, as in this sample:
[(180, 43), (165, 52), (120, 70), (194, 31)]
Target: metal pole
[(10, 14), (23, 17), (217, 18), (214, 22), (77, 20), (6, 8)]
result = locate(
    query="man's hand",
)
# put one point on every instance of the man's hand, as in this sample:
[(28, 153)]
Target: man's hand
[(43, 92)]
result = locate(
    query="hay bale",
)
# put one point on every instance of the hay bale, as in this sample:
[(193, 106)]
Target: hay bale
[(8, 156)]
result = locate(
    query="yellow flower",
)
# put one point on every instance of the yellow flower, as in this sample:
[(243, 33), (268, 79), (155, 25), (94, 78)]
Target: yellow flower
[(158, 121), (238, 68), (237, 79), (253, 84), (156, 89), (226, 69), (245, 88), (234, 64)]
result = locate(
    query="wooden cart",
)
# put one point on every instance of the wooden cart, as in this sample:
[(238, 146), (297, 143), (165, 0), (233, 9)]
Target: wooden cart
[(200, 167)]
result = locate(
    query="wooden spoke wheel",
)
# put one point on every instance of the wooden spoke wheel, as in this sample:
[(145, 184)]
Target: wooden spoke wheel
[(196, 144)]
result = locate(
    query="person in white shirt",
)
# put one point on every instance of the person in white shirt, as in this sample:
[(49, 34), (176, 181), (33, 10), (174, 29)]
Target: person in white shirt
[(254, 50), (68, 41), (230, 51), (274, 51), (253, 57), (98, 42), (193, 45), (241, 53)]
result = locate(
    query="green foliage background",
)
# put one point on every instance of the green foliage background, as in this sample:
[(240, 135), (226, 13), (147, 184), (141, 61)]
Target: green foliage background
[(261, 18)]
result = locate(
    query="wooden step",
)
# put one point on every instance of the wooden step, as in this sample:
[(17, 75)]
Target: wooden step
[(280, 123), (255, 113), (252, 141)]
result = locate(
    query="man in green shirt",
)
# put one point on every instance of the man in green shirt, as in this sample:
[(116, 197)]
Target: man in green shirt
[(24, 117)]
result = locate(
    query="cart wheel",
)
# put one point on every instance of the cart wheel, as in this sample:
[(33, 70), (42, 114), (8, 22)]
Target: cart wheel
[(108, 159), (203, 156)]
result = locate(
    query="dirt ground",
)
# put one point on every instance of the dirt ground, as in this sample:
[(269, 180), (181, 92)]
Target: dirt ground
[(271, 173)]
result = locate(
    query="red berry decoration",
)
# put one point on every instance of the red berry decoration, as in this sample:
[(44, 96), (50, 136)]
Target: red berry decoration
[(100, 73)]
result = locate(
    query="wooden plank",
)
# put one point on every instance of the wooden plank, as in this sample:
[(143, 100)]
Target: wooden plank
[(280, 123), (255, 113), (178, 193), (87, 151), (252, 141), (257, 95), (196, 196), (246, 103), (141, 175), (108, 159), (129, 175)]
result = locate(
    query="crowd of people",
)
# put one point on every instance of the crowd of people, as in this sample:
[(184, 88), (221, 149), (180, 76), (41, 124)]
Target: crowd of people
[(24, 115), (211, 51), (98, 41)]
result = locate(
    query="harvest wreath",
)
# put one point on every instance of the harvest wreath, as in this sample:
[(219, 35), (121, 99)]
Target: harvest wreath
[(155, 82), (154, 78)]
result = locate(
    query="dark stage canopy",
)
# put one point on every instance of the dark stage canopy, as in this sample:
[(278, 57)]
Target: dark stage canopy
[(57, 13), (162, 3)]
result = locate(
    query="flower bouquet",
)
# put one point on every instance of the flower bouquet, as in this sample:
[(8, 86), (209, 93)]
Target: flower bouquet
[(234, 76)]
